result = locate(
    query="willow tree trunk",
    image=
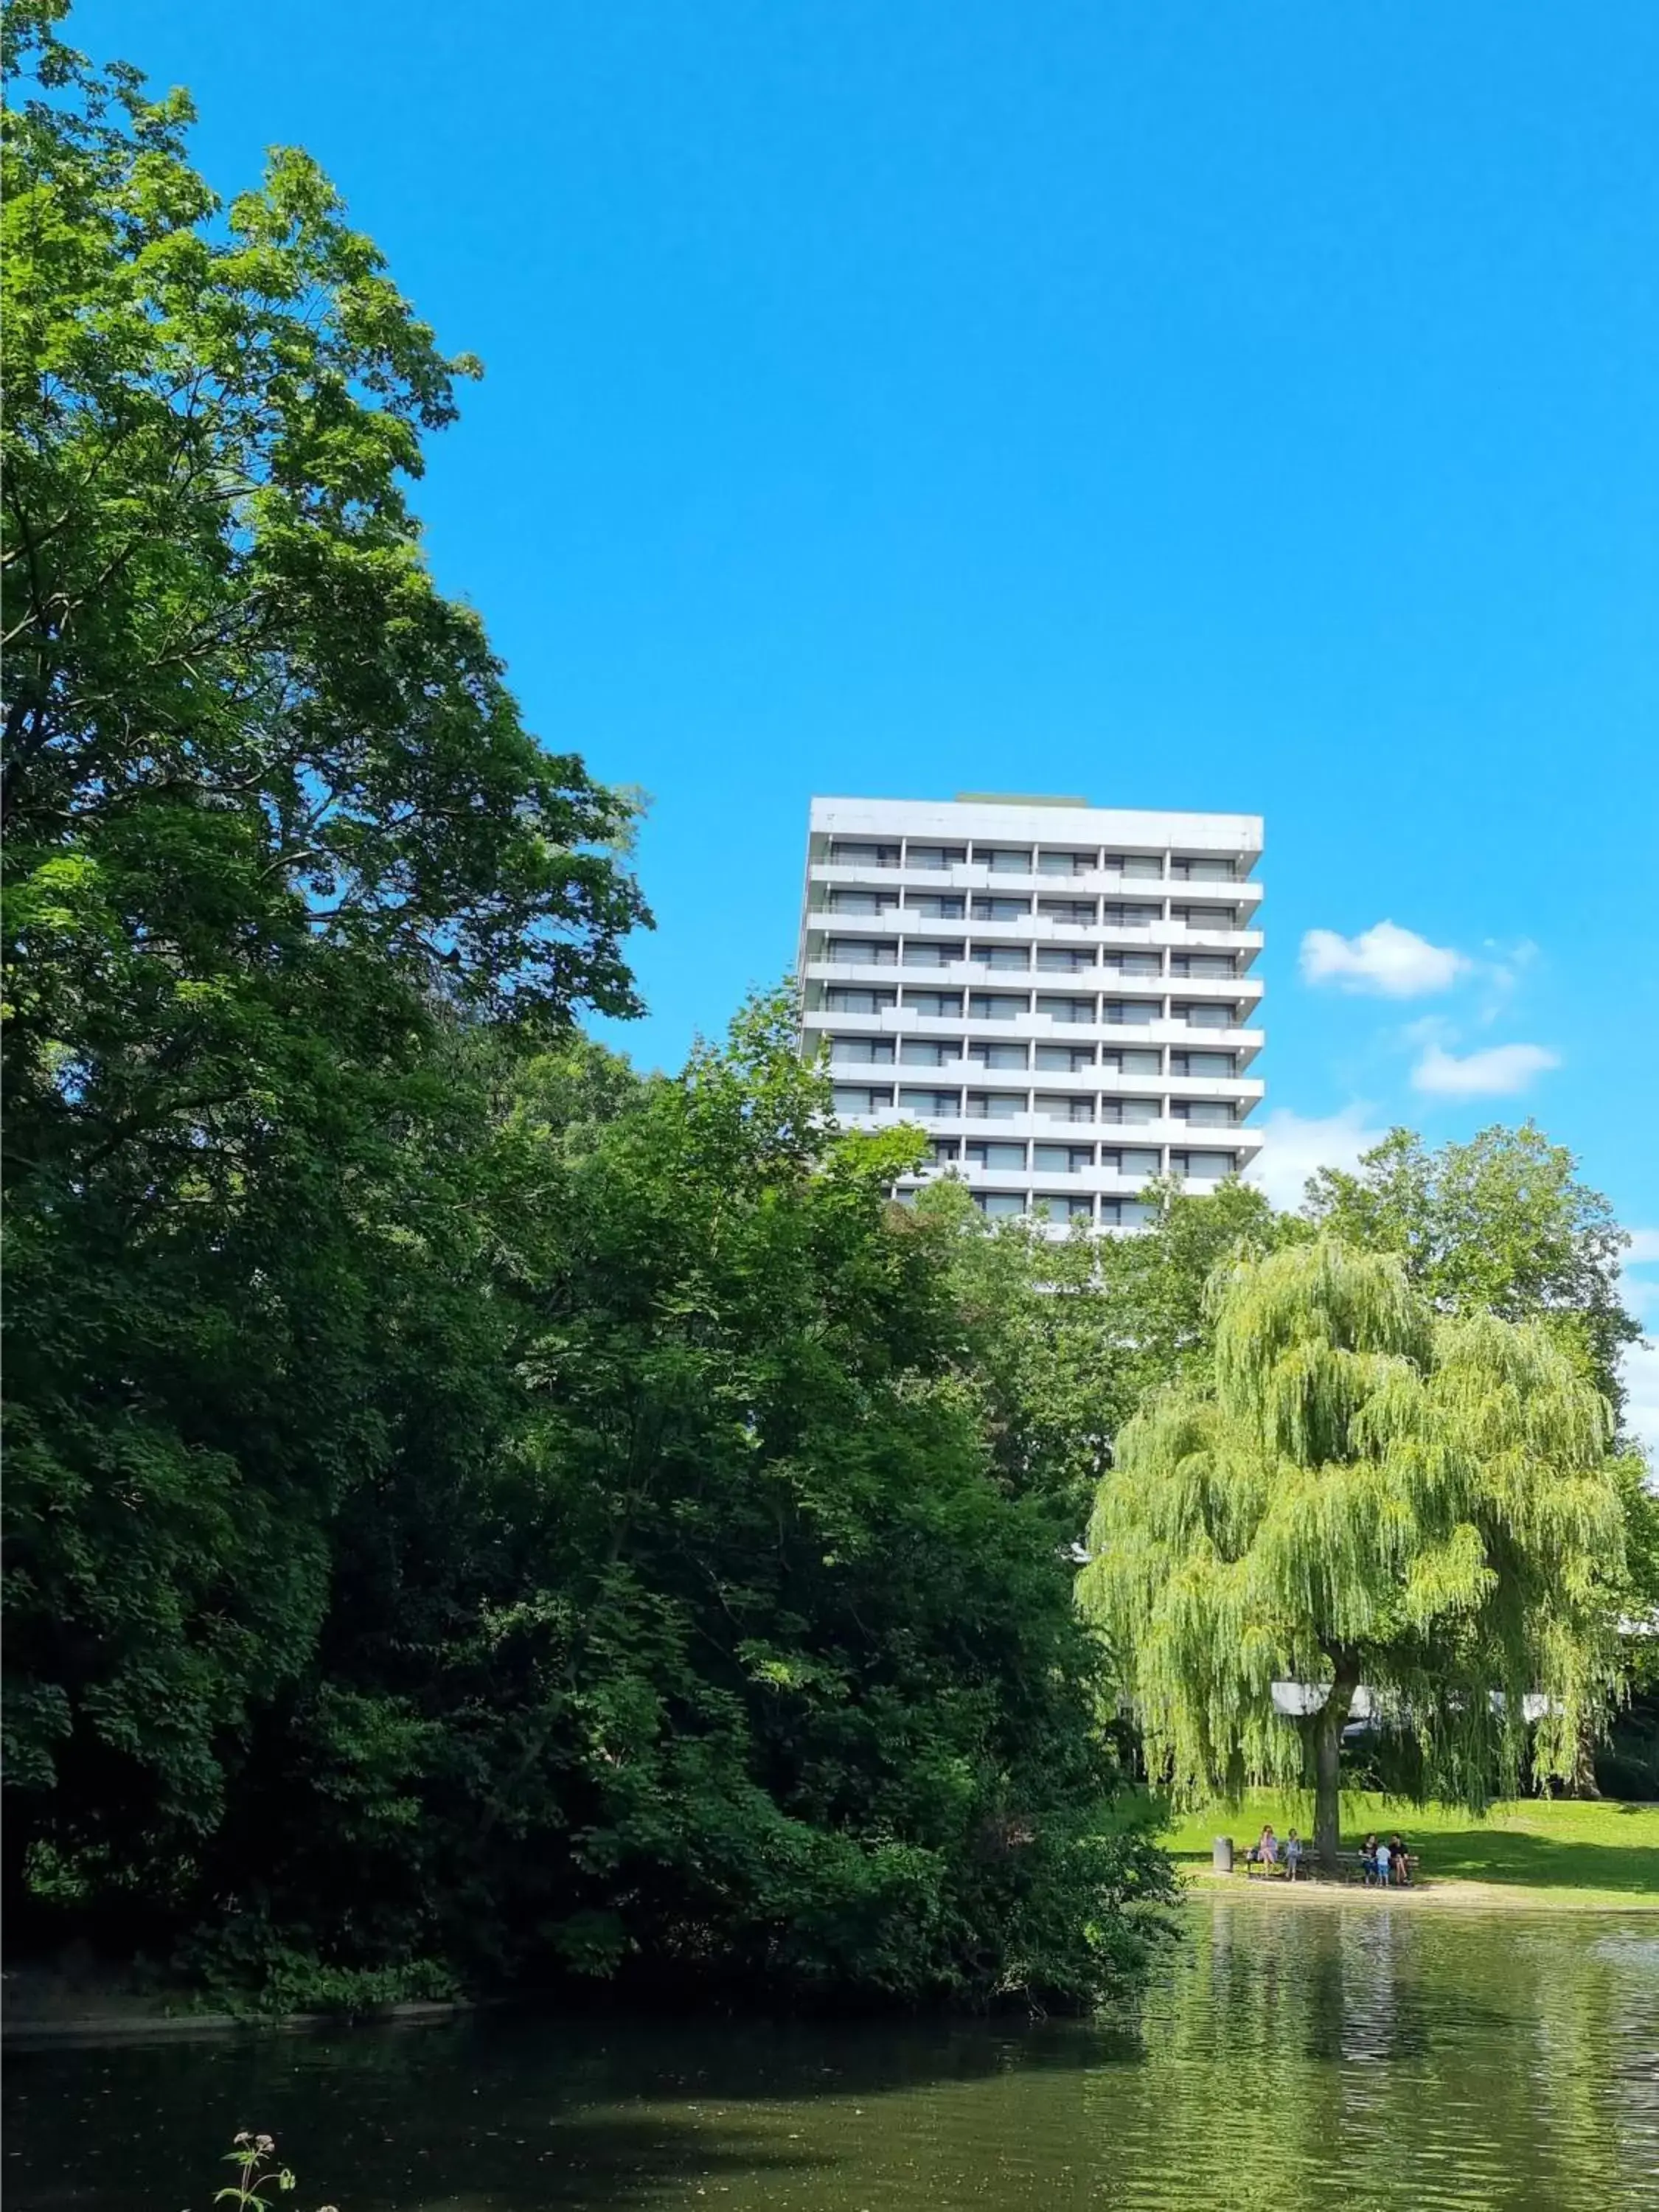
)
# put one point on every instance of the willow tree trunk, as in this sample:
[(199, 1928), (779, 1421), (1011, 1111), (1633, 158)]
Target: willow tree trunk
[(1325, 1727)]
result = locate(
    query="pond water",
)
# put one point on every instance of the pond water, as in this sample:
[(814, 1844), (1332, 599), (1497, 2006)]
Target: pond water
[(1358, 2056)]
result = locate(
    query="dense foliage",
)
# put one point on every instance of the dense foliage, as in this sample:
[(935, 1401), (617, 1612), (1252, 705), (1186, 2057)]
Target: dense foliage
[(474, 1514), (1502, 1224), (725, 1654), (470, 1512), (1363, 1492), (1061, 1340), (274, 833)]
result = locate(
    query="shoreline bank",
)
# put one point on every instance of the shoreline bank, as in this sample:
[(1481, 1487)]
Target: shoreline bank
[(1448, 1894)]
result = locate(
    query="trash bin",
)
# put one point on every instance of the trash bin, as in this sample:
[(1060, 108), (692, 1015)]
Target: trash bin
[(1221, 1854)]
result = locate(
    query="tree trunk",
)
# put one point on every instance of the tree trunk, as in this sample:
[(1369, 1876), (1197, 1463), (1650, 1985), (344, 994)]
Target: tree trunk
[(1326, 1727), (1585, 1784)]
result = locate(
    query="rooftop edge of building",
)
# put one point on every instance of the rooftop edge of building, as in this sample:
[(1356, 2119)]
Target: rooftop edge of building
[(1053, 820)]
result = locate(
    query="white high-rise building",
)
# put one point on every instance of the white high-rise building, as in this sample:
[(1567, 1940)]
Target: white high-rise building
[(1061, 995)]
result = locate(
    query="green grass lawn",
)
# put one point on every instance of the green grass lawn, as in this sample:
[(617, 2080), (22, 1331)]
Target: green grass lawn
[(1600, 1847)]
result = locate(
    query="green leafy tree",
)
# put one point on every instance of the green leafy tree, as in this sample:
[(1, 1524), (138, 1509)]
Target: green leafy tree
[(724, 1658), (1628, 1765), (1061, 1337), (1362, 1491), (1502, 1224), (277, 839)]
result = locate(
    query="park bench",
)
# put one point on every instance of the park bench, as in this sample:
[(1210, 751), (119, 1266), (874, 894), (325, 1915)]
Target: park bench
[(1349, 1867), (1257, 1869)]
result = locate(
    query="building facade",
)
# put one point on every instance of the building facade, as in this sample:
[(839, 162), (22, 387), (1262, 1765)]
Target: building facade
[(1062, 996)]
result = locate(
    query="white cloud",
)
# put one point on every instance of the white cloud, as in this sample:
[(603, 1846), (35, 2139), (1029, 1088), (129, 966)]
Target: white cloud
[(1644, 1247), (1389, 961), (1294, 1144), (1498, 1072)]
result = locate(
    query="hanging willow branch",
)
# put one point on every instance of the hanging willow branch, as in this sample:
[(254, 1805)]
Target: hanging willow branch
[(1363, 1492)]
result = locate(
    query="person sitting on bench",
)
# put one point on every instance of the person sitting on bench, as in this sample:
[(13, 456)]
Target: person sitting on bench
[(1368, 1862)]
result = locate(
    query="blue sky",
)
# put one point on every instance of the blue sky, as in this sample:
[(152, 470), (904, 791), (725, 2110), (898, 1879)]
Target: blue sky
[(1182, 406)]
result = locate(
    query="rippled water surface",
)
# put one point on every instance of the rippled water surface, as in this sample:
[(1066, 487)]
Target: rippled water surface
[(1349, 2056)]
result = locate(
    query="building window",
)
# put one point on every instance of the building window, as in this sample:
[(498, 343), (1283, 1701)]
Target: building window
[(1128, 1163), (1129, 1110), (1208, 1166), (1005, 859), (1053, 861), (930, 1052), (938, 1105), (944, 1152), (1065, 959), (841, 998), (847, 853), (1202, 1063), (1194, 869), (1064, 1206), (995, 1056), (851, 1098), (1133, 1013), (1065, 1010), (1000, 1205), (931, 859), (1123, 1213), (1201, 1017), (1129, 1060), (1203, 917), (996, 1005), (996, 1105), (1055, 1106), (935, 1006), (1062, 1159), (1149, 865), (869, 1052), (1117, 916), (1203, 1113), (862, 952), (1131, 963), (987, 909), (1065, 1059), (1000, 956), (845, 901), (1006, 1159), (931, 953), (1202, 963), (1076, 914), (936, 906)]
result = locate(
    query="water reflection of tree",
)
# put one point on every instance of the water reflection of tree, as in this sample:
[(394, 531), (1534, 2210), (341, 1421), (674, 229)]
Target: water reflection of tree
[(1292, 2057), (1378, 2055)]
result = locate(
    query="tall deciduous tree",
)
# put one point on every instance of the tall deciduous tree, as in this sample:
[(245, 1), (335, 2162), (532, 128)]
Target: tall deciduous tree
[(1061, 1338), (1502, 1224), (718, 1656), (1362, 1491), (275, 834)]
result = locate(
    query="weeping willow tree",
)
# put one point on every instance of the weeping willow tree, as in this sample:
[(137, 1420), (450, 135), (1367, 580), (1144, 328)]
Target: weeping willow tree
[(1363, 1492)]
